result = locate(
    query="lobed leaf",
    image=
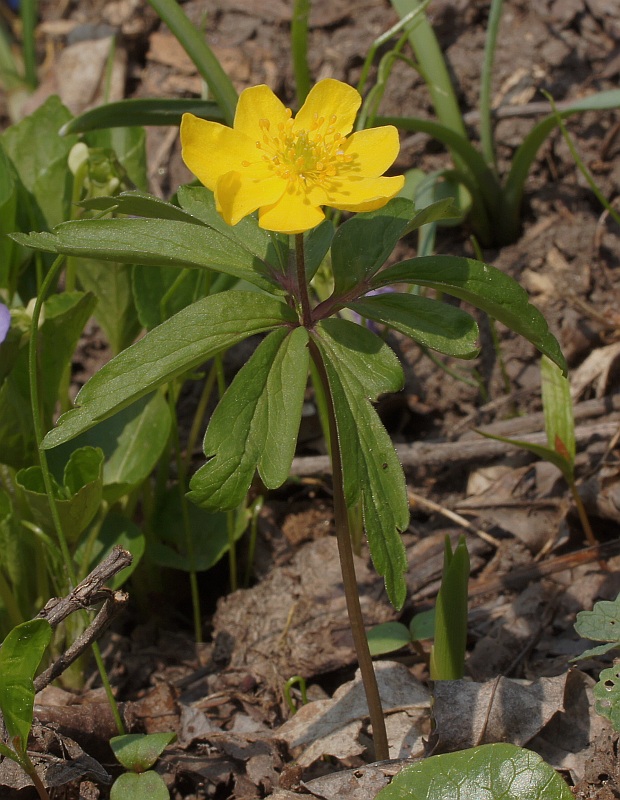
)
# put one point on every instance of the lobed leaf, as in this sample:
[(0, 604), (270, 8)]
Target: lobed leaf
[(602, 624), (360, 366), (483, 286), (256, 423)]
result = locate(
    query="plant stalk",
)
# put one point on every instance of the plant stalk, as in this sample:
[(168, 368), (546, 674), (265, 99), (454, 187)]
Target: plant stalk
[(347, 566), (302, 286)]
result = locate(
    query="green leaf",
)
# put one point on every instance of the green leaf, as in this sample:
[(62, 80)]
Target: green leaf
[(191, 337), (602, 624), (208, 533), (77, 500), (266, 246), (448, 652), (488, 772), (317, 242), (40, 155), (129, 147), (388, 637), (160, 292), (256, 423), (139, 751), (10, 252), (139, 786), (360, 367), (595, 652), (363, 243), (442, 210), (558, 410), (132, 442), (142, 111), (116, 530), (139, 204), (483, 286), (607, 695), (154, 242), (432, 323), (64, 318), (20, 656), (539, 450), (115, 312), (422, 625)]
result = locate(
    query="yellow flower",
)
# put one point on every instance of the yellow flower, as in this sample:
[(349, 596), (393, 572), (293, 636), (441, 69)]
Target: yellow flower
[(287, 167)]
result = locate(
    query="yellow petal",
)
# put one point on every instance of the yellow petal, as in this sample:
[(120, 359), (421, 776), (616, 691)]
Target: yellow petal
[(237, 195), (364, 194), (255, 104), (328, 99), (293, 213), (210, 150), (372, 151)]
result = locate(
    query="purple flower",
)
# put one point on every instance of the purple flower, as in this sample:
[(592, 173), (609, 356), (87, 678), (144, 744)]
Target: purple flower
[(5, 321)]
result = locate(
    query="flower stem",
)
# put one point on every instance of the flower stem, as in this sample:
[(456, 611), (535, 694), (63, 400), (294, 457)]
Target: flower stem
[(302, 286), (347, 566)]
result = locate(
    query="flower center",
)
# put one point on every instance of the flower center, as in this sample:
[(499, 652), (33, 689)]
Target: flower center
[(303, 157)]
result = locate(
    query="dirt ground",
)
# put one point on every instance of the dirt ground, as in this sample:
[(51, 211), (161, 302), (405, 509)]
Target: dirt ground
[(531, 569)]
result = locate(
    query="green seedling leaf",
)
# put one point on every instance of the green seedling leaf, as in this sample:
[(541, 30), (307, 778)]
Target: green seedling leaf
[(602, 624), (360, 367), (432, 323), (191, 337), (20, 656), (256, 423), (422, 626), (448, 652), (77, 500), (558, 410), (208, 533), (483, 286), (488, 772), (39, 156), (154, 242), (363, 243), (139, 786), (607, 695), (138, 751), (388, 637)]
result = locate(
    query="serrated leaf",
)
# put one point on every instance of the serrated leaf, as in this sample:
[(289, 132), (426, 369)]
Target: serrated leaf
[(360, 367), (267, 246), (483, 286), (362, 244), (192, 336), (607, 695), (602, 624), (432, 323), (155, 242), (256, 423), (20, 656), (558, 410), (388, 637), (488, 772), (139, 751)]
